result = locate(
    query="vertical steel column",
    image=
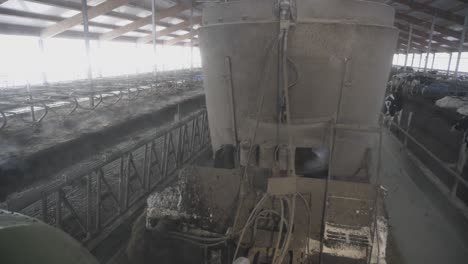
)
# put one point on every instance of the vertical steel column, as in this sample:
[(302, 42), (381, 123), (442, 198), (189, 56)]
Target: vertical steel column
[(462, 42), (99, 69), (412, 60), (429, 45), (43, 72), (153, 22), (408, 126), (449, 63), (137, 69), (433, 60), (191, 40), (420, 60), (33, 113), (408, 46), (84, 7)]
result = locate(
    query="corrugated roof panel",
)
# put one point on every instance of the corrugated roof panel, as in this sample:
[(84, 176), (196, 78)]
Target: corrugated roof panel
[(172, 20), (134, 34), (90, 2), (456, 27), (422, 16), (95, 2), (91, 29), (462, 11), (180, 32), (451, 38), (111, 20), (69, 13), (133, 11), (400, 7), (186, 13), (165, 38), (150, 27), (445, 4)]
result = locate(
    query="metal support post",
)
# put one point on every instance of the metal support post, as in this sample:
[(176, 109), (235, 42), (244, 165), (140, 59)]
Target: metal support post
[(33, 113), (191, 40), (399, 118), (433, 60), (420, 61), (462, 42), (412, 60), (449, 63), (153, 23), (137, 69), (429, 46), (43, 73), (408, 126), (99, 69), (163, 51), (408, 46), (84, 7)]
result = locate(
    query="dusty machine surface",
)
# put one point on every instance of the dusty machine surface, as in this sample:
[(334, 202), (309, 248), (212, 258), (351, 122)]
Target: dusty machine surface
[(27, 240), (294, 89)]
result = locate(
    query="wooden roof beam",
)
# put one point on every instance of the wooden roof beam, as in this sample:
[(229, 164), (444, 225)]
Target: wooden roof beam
[(167, 31), (77, 7), (77, 19), (25, 14), (169, 12), (10, 29)]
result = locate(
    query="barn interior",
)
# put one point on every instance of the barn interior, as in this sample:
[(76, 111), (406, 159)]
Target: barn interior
[(233, 131)]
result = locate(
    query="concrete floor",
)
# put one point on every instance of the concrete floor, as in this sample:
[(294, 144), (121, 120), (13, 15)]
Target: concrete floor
[(425, 227)]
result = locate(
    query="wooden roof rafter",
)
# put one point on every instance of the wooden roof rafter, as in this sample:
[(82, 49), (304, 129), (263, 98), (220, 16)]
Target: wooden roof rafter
[(180, 26), (169, 12), (76, 6), (77, 19)]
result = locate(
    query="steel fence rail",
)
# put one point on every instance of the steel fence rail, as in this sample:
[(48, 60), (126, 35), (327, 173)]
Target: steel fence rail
[(90, 202), (456, 175)]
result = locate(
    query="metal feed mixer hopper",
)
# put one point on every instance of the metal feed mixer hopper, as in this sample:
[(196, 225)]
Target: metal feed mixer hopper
[(294, 90), (336, 55)]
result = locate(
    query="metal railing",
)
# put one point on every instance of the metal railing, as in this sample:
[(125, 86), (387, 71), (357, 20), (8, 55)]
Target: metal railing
[(450, 188), (440, 71), (93, 200), (33, 104)]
